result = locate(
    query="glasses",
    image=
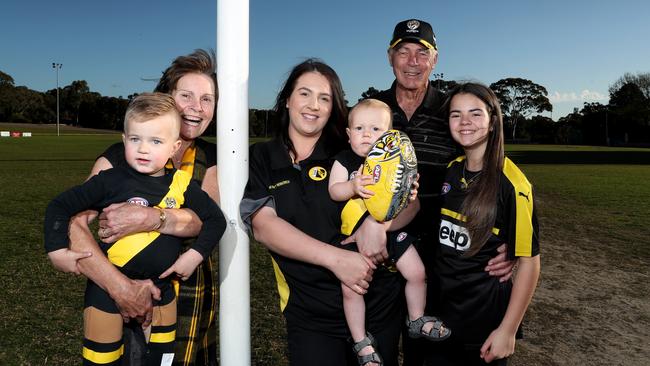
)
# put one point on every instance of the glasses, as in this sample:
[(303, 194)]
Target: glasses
[(186, 97)]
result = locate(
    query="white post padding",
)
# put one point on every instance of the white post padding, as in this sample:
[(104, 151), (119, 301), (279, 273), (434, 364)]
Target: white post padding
[(232, 166)]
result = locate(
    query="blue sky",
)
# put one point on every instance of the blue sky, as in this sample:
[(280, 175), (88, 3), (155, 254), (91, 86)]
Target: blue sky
[(576, 49)]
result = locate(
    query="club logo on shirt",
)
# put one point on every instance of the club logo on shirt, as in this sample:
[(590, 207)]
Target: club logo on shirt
[(446, 187), (138, 201), (317, 173), (170, 202), (454, 236)]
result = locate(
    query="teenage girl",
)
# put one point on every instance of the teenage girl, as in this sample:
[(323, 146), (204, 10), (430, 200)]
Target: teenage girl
[(486, 201)]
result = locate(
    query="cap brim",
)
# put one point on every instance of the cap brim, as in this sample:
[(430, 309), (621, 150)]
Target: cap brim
[(412, 40)]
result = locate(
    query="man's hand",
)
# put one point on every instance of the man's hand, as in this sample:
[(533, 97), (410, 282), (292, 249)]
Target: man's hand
[(65, 260), (499, 266), (135, 300), (184, 265), (121, 219), (371, 240), (132, 297), (353, 270), (414, 188)]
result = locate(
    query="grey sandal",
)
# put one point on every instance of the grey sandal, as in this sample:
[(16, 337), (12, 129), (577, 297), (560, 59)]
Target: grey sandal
[(439, 331), (369, 340)]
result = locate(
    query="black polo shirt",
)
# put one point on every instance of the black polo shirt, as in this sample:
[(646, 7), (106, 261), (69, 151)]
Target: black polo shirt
[(310, 295)]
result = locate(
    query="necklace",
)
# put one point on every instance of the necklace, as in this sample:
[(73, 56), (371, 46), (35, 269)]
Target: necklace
[(464, 183)]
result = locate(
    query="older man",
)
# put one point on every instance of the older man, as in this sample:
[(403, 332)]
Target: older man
[(417, 110)]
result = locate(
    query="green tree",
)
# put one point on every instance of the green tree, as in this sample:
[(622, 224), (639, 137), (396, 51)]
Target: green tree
[(30, 106), (369, 93), (520, 98), (71, 98), (631, 113), (542, 130), (445, 85), (641, 80), (6, 91), (6, 79), (594, 124)]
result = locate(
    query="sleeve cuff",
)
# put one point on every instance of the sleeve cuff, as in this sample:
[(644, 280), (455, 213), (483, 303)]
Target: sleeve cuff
[(248, 206)]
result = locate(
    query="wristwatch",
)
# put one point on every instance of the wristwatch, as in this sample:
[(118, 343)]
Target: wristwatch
[(163, 217)]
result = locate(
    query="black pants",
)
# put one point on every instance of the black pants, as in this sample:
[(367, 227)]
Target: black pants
[(317, 349), (457, 355)]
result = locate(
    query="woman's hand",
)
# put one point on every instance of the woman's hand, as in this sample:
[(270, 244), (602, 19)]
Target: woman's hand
[(121, 219), (499, 344), (132, 297)]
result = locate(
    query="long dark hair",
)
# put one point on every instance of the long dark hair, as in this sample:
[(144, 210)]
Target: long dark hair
[(333, 133), (480, 204)]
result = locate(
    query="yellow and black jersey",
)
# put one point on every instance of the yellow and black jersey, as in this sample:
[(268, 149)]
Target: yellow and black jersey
[(310, 295), (472, 302), (142, 255)]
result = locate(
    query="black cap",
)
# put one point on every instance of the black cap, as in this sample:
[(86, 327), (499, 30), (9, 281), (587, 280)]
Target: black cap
[(414, 30)]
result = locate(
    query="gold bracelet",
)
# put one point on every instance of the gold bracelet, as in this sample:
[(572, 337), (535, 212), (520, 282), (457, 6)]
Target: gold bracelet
[(162, 217)]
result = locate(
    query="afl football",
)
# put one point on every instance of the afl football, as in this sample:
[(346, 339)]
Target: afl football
[(393, 165)]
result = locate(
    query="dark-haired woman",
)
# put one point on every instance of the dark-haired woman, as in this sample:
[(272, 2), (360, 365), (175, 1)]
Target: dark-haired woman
[(288, 205), (486, 201)]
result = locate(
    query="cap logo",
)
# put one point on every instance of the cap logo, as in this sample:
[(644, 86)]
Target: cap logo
[(413, 25)]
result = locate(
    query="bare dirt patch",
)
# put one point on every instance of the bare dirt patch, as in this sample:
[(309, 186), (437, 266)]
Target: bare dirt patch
[(591, 306)]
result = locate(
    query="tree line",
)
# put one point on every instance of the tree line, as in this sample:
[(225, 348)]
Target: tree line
[(625, 120)]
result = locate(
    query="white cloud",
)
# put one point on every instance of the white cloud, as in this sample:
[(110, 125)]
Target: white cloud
[(583, 96)]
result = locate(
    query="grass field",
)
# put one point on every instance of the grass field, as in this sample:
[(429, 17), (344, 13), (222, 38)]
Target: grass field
[(591, 307)]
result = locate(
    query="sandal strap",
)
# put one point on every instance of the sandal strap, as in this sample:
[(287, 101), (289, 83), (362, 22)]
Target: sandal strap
[(416, 325), (373, 357), (369, 340)]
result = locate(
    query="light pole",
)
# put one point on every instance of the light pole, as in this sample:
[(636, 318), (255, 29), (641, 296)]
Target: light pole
[(439, 77), (57, 66)]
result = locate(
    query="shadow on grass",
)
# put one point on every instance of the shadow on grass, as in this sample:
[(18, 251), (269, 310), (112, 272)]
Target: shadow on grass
[(579, 157)]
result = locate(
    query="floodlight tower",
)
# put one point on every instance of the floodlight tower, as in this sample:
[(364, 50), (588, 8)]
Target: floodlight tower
[(439, 78), (57, 67)]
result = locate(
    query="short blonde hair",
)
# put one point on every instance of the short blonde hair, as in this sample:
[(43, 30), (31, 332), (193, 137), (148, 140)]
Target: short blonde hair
[(372, 103), (147, 106)]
